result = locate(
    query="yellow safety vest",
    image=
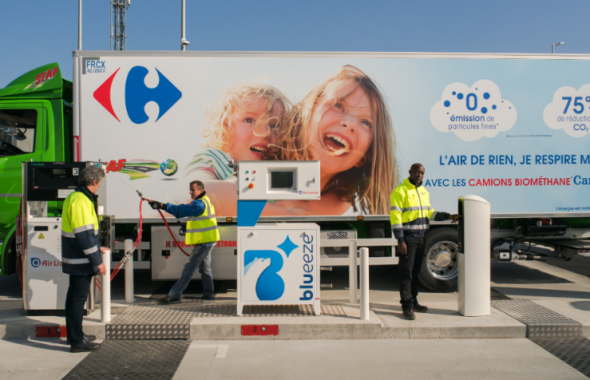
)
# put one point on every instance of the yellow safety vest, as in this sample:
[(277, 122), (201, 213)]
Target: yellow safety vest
[(410, 207), (79, 232), (203, 228)]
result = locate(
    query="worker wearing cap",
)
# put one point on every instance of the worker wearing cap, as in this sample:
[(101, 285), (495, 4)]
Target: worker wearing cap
[(202, 232), (410, 215), (81, 253)]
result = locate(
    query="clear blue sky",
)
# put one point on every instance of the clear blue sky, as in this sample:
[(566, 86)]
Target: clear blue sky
[(37, 32)]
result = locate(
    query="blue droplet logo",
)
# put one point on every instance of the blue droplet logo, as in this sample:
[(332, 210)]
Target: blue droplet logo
[(454, 92), (447, 103), (494, 107), (486, 95), (484, 110), (459, 96)]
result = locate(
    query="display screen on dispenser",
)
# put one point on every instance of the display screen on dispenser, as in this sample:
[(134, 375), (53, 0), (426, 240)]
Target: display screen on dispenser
[(51, 178), (52, 181), (279, 180), (282, 179)]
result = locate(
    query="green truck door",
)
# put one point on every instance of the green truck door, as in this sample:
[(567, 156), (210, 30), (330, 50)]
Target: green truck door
[(22, 138)]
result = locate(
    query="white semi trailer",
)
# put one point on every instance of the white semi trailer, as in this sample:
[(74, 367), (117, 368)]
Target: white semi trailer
[(512, 129)]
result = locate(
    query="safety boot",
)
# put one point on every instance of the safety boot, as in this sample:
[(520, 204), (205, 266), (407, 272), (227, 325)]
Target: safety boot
[(419, 308), (409, 314), (168, 300), (85, 346), (88, 338)]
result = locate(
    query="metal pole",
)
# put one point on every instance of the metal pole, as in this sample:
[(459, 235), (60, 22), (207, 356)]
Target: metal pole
[(364, 284), (106, 288), (552, 49), (79, 24), (182, 36), (352, 264), (129, 293)]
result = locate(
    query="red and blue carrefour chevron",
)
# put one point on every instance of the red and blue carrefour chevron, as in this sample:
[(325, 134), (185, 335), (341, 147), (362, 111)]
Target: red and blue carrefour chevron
[(137, 94)]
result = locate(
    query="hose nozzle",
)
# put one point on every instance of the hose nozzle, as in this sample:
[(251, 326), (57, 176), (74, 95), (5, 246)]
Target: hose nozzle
[(140, 194)]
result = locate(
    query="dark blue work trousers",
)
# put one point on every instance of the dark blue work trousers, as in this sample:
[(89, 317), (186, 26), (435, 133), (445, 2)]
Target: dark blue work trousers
[(77, 295), (409, 268)]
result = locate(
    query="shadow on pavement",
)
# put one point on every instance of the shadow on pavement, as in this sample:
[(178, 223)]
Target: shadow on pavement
[(512, 273), (581, 305), (542, 293)]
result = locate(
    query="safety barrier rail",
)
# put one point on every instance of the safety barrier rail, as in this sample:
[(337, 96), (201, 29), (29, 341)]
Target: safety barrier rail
[(354, 260)]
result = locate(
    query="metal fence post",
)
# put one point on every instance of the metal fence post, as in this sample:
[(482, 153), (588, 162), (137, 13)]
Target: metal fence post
[(364, 283), (352, 264), (106, 288), (129, 291)]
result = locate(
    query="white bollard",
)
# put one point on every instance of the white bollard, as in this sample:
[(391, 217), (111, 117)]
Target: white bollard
[(106, 288), (364, 284), (352, 264), (129, 291)]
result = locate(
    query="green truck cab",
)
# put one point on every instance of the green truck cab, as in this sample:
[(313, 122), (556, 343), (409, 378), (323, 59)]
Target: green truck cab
[(36, 118)]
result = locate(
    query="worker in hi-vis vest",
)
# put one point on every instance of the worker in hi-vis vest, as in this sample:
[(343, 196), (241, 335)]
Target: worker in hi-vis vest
[(201, 230), (410, 215), (81, 253)]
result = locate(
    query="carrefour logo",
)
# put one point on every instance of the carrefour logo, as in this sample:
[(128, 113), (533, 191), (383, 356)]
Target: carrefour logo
[(137, 95), (35, 262)]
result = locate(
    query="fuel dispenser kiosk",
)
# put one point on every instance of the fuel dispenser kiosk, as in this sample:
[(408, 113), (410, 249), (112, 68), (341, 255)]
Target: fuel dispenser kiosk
[(45, 186), (474, 256), (278, 263)]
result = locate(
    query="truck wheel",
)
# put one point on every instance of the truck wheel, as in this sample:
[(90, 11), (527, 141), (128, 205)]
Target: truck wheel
[(440, 266)]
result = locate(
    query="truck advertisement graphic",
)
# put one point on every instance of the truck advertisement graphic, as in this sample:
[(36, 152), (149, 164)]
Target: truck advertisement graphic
[(512, 131)]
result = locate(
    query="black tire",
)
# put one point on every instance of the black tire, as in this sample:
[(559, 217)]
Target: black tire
[(440, 242)]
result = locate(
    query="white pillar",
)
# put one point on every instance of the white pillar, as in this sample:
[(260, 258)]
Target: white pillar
[(364, 284), (129, 291), (106, 288), (474, 256), (352, 264)]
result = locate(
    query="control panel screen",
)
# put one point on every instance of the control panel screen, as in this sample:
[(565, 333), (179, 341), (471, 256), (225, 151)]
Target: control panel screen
[(50, 178), (282, 179)]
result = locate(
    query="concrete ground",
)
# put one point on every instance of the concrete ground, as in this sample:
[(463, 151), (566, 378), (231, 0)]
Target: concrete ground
[(46, 359), (374, 359), (558, 289), (325, 359)]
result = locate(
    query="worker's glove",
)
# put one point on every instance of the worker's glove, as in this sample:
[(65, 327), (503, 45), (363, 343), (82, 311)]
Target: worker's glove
[(158, 205)]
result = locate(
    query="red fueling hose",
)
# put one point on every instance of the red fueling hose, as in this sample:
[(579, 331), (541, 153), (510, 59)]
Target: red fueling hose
[(138, 240)]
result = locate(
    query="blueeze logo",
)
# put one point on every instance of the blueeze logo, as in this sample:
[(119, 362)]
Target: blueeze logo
[(137, 94), (269, 284), (35, 262)]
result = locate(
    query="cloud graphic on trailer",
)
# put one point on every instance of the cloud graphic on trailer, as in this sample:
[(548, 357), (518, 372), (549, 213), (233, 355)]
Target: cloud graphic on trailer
[(475, 106), (572, 121), (138, 95)]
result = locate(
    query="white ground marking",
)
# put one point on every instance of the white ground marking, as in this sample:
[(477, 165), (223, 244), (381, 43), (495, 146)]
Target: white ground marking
[(221, 348)]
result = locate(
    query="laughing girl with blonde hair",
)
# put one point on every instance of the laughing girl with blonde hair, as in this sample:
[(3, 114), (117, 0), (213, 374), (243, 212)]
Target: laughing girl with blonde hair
[(344, 123)]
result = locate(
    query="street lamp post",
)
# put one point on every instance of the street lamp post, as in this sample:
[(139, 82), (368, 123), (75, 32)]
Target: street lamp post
[(183, 42), (79, 24), (554, 45)]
